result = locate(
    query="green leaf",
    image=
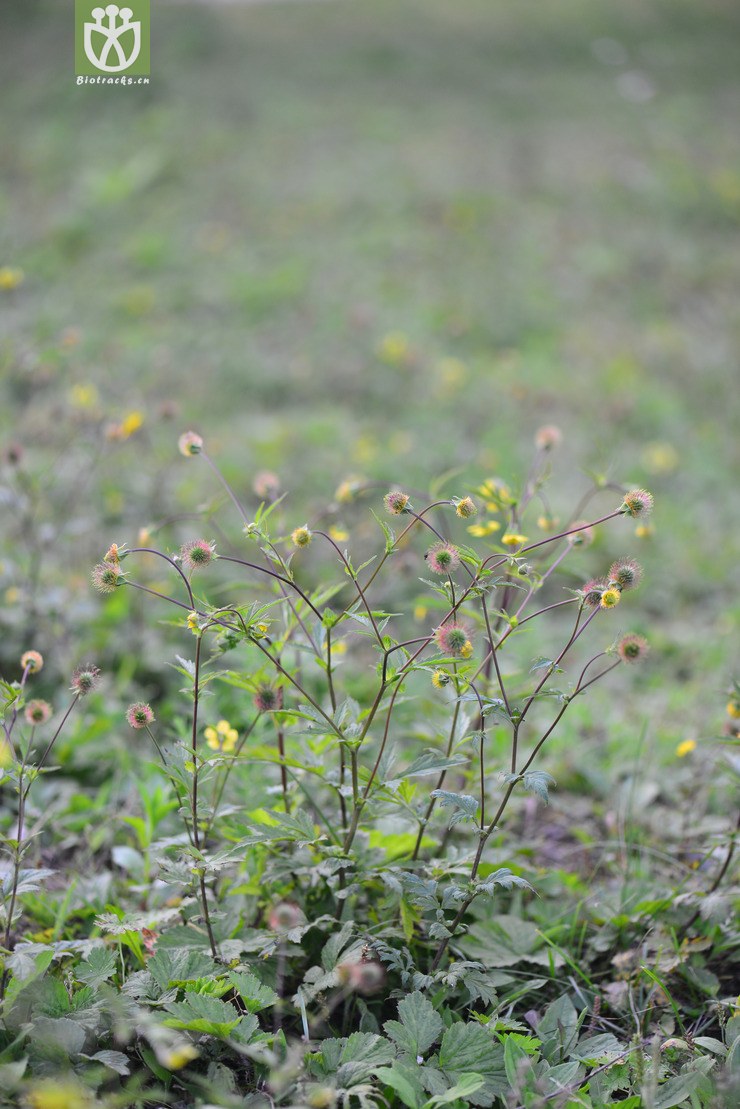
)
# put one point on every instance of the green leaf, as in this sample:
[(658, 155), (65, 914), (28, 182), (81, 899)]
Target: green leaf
[(431, 762), (361, 1055), (468, 1084), (677, 1089), (539, 782), (470, 1049), (254, 995), (176, 966), (420, 1025), (201, 1013), (114, 1060), (465, 807), (404, 1082), (558, 1029), (98, 967)]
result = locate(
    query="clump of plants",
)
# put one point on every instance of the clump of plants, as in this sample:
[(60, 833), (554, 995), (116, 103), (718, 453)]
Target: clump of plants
[(327, 852)]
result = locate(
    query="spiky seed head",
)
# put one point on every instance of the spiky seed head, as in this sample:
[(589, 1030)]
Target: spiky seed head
[(592, 592), (197, 554), (139, 715), (625, 574), (85, 679), (32, 661), (364, 976), (190, 443), (396, 502), (443, 558), (107, 576), (632, 648), (548, 437), (37, 712), (266, 485), (638, 502), (583, 537), (452, 639), (284, 916), (268, 699)]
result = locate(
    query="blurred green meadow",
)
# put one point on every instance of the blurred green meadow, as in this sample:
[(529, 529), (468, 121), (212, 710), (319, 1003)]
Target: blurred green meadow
[(385, 239)]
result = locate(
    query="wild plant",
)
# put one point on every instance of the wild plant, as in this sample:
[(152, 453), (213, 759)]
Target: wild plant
[(303, 610)]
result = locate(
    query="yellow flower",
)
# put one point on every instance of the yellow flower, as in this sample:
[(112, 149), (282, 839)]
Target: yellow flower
[(644, 531), (394, 348), (466, 650), (733, 709), (131, 423), (420, 612), (222, 738), (175, 1058), (259, 631), (513, 540), (10, 277), (466, 507), (496, 493), (339, 648), (685, 748), (53, 1093), (547, 523), (194, 622), (610, 598), (301, 537), (83, 396), (348, 489), (338, 534), (480, 530), (440, 679)]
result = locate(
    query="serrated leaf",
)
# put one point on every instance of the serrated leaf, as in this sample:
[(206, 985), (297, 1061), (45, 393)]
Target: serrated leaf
[(201, 1013), (539, 782), (420, 1025), (677, 1089), (98, 967), (254, 995), (431, 762), (114, 1060), (470, 1049), (464, 805)]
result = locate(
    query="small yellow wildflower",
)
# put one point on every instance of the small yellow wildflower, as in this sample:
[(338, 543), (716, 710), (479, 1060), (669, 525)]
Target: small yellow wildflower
[(685, 748), (131, 423), (420, 612), (440, 679), (480, 530), (547, 523), (259, 631), (348, 489), (610, 598), (496, 493), (394, 349), (175, 1058), (222, 738), (301, 537), (194, 622), (465, 508), (733, 709), (10, 278), (83, 396), (53, 1093), (660, 458), (339, 648), (466, 650), (338, 534), (644, 531), (512, 539)]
